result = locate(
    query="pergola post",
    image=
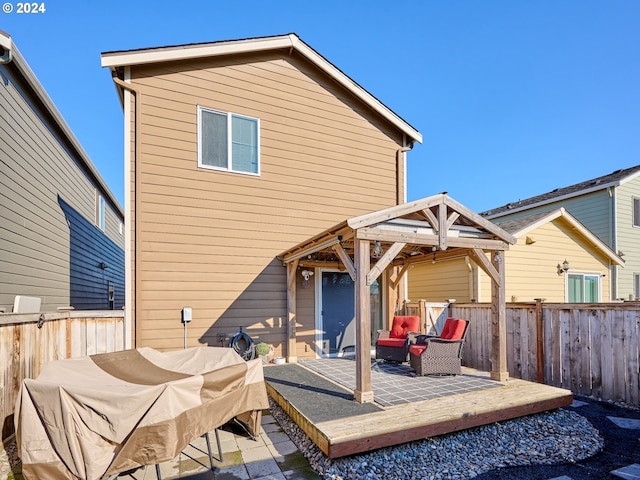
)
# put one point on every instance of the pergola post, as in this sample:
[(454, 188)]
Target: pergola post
[(499, 370), (292, 268), (363, 392)]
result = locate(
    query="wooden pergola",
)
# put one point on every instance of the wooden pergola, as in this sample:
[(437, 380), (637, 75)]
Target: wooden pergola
[(430, 228)]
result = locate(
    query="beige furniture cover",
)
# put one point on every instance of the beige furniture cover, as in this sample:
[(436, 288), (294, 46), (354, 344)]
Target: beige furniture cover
[(96, 416)]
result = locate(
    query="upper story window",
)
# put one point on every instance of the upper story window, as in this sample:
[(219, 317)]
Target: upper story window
[(636, 212), (227, 141), (584, 288), (100, 211)]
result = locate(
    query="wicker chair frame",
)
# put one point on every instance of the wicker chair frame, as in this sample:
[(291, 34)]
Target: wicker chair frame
[(441, 357)]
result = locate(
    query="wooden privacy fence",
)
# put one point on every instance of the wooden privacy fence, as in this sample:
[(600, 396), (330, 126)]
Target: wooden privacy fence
[(590, 349), (28, 341)]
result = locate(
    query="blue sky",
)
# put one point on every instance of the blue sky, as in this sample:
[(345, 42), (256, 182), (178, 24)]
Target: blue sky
[(513, 98)]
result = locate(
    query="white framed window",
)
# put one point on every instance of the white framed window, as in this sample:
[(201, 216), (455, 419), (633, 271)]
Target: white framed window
[(636, 285), (636, 211), (583, 287), (228, 141), (100, 211)]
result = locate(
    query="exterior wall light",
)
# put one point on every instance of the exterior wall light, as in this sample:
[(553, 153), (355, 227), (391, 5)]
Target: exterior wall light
[(306, 274), (563, 268)]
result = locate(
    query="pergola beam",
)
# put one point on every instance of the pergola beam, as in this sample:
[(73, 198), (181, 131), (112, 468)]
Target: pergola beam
[(391, 236), (346, 260), (481, 259), (384, 262)]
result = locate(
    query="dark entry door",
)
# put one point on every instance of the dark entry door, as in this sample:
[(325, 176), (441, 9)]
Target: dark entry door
[(337, 314)]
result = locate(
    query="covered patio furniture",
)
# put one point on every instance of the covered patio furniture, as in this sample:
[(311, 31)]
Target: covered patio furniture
[(393, 345), (94, 417), (440, 355)]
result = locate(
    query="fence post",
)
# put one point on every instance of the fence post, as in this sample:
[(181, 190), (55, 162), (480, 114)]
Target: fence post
[(539, 341)]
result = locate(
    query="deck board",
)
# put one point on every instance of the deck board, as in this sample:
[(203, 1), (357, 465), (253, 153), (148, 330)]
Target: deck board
[(392, 425)]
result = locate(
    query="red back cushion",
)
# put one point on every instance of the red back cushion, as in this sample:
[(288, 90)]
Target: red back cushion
[(403, 325), (453, 329)]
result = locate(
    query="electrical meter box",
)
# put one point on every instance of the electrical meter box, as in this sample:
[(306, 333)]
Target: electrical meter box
[(186, 315)]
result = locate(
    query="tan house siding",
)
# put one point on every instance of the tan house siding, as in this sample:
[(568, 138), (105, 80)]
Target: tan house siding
[(440, 281), (208, 239)]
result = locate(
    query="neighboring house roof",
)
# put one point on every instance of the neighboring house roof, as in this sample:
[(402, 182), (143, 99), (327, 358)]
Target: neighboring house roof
[(9, 53), (290, 42), (613, 179), (523, 225)]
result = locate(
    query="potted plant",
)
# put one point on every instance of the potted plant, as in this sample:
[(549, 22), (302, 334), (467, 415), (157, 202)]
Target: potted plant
[(265, 351)]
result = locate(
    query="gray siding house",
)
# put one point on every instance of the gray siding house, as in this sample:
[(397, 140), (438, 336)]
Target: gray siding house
[(609, 206), (61, 228)]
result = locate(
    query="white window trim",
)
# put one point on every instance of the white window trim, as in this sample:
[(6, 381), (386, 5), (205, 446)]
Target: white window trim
[(100, 212), (584, 274), (633, 211), (229, 116)]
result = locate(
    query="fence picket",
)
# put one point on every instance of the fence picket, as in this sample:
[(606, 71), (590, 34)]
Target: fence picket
[(632, 351), (595, 352)]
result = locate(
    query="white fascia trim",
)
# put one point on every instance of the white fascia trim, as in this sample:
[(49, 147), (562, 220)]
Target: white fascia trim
[(185, 52), (628, 178), (5, 41), (581, 229), (541, 221), (356, 89)]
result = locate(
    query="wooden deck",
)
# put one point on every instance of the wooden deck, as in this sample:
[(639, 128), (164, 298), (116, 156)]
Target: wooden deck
[(392, 425)]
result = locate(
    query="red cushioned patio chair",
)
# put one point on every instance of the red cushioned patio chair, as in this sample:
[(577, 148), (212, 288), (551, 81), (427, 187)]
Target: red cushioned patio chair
[(392, 345), (440, 355)]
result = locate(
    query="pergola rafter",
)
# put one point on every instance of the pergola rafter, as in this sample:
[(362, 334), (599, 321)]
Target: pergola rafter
[(410, 233)]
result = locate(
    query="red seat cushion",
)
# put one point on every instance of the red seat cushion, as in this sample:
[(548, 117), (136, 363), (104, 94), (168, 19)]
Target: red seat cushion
[(403, 325), (417, 349), (453, 329), (391, 342)]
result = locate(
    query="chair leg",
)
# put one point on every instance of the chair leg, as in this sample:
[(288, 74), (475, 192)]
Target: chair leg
[(219, 445), (206, 437)]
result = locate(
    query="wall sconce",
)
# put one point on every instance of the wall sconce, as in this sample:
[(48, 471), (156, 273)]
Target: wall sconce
[(306, 274), (377, 250), (563, 268)]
